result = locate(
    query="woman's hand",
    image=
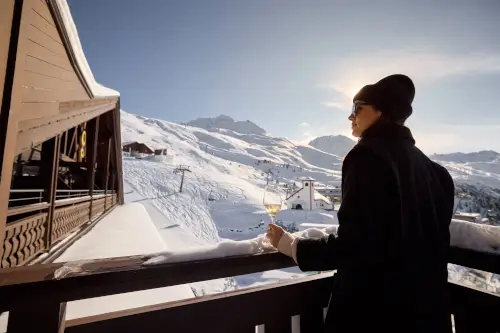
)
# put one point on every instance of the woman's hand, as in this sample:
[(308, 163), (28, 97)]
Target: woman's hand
[(274, 234)]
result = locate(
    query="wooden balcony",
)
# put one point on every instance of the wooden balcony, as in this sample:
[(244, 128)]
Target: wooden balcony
[(36, 297), (27, 235)]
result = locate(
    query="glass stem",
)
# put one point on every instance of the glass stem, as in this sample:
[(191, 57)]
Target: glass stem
[(272, 220)]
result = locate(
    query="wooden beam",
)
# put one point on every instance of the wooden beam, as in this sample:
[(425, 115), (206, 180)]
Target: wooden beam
[(62, 163), (66, 133), (73, 138), (49, 170), (11, 100), (45, 128), (118, 153), (106, 178), (112, 276), (93, 135)]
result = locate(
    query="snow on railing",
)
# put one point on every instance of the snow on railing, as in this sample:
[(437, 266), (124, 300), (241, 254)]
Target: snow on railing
[(465, 235)]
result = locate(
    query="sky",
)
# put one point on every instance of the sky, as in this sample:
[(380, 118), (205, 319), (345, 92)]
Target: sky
[(292, 66)]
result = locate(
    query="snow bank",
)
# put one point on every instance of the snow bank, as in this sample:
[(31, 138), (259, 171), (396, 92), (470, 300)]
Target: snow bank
[(128, 230), (96, 88)]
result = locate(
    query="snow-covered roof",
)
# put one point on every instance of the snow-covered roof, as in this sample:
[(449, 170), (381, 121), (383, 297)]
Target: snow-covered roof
[(319, 196), (306, 178), (97, 89)]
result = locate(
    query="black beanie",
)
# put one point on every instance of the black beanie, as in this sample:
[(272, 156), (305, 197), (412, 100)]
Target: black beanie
[(392, 95)]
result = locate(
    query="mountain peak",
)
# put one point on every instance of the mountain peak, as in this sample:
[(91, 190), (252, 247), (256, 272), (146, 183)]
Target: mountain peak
[(338, 145), (226, 122)]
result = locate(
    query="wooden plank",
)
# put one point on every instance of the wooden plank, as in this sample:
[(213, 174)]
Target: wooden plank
[(41, 8), (41, 38), (41, 52), (31, 95), (27, 208), (37, 110), (6, 10), (226, 312), (474, 259), (44, 68), (46, 317), (32, 79), (46, 26)]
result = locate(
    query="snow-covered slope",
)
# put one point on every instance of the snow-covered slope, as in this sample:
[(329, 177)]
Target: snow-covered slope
[(226, 122), (483, 156), (222, 195), (338, 145)]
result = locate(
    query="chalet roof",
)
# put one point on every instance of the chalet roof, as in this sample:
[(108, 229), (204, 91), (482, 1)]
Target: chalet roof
[(76, 49)]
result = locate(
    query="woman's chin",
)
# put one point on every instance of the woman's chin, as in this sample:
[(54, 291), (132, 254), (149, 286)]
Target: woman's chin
[(355, 132)]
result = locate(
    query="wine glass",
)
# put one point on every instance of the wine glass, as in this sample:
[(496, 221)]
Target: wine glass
[(273, 199)]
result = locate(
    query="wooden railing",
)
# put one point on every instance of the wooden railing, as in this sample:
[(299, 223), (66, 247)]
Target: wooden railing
[(40, 295), (26, 237)]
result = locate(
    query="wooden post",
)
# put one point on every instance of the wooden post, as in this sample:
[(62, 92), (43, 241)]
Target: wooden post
[(46, 317), (93, 134), (106, 178), (10, 21), (49, 172)]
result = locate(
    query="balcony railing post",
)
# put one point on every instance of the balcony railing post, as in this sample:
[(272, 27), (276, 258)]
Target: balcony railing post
[(49, 170)]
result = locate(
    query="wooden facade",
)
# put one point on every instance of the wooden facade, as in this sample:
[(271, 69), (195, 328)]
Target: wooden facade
[(59, 143)]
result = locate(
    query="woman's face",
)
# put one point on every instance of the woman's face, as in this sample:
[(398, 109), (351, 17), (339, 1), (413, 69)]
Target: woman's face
[(363, 116)]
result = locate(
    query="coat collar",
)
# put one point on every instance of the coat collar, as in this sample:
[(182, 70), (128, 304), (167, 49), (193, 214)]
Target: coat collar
[(385, 129)]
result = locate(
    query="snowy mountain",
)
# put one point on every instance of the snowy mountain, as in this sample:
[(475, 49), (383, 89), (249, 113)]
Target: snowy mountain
[(338, 145), (485, 156), (228, 123)]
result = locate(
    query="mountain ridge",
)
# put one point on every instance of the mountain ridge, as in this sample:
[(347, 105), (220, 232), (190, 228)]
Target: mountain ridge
[(226, 122)]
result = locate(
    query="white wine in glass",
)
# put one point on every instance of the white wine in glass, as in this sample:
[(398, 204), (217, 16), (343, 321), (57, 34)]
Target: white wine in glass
[(272, 201)]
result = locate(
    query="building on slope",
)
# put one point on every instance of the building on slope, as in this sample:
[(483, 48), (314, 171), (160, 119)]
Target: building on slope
[(308, 198), (135, 148)]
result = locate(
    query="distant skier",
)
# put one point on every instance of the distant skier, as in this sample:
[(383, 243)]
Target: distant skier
[(391, 251)]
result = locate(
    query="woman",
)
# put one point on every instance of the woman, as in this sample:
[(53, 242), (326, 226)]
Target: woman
[(391, 251)]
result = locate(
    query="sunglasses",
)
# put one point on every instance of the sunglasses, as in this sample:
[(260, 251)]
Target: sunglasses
[(356, 107)]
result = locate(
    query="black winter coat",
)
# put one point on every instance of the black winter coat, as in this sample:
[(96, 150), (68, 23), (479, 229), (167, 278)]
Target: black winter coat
[(391, 251)]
